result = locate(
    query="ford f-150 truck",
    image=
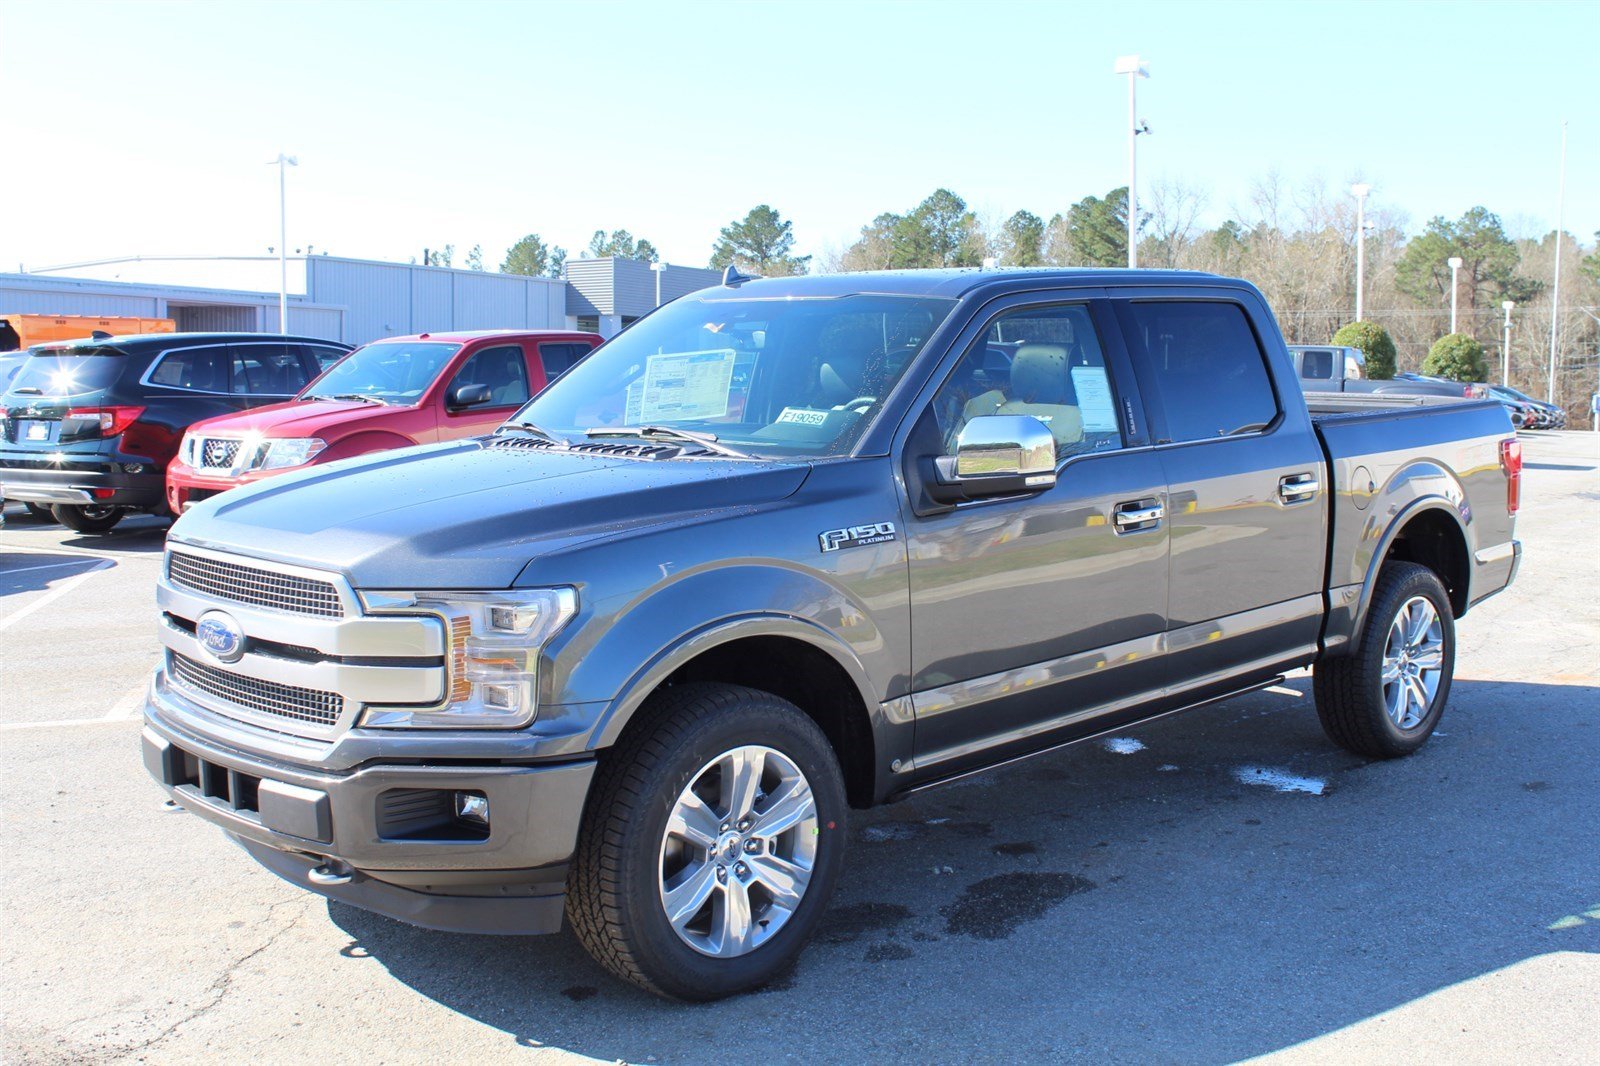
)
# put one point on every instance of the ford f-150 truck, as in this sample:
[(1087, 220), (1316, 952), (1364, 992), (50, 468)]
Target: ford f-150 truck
[(789, 547)]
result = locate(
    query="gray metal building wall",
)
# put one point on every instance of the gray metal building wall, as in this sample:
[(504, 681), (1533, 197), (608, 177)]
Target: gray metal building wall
[(389, 299), (627, 287)]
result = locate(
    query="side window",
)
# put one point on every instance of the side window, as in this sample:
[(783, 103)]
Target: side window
[(557, 359), (325, 357), (502, 369), (266, 369), (1207, 365), (1041, 361), (200, 369)]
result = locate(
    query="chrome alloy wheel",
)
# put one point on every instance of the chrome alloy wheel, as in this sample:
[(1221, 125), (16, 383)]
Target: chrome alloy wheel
[(738, 851), (96, 513), (1413, 662)]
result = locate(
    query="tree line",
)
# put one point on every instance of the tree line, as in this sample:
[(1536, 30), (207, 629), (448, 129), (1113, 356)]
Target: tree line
[(1298, 245)]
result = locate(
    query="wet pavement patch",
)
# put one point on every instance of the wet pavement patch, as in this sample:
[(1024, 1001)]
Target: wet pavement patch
[(841, 925), (888, 951), (968, 829), (579, 993), (890, 831), (1016, 849), (993, 908)]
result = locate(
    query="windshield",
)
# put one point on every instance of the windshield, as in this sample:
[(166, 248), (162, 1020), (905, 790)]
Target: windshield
[(392, 371), (773, 377), (72, 372)]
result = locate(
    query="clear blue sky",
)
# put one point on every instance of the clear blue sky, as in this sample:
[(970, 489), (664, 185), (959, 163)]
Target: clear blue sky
[(143, 128)]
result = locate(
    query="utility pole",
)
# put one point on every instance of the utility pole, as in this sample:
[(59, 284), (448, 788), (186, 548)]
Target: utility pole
[(1505, 348), (283, 162), (1555, 289), (1135, 70), (1455, 270), (1360, 190)]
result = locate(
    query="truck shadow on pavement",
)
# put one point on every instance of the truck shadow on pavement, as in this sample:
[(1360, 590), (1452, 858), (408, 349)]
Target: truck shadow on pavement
[(1206, 888)]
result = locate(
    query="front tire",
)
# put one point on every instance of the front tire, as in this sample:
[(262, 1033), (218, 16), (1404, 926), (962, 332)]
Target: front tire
[(1387, 699), (88, 519), (712, 841)]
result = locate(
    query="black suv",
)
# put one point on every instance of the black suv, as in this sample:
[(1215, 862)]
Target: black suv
[(88, 427)]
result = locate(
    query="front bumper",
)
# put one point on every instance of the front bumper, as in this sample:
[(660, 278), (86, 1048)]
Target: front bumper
[(185, 485), (355, 836), (80, 480)]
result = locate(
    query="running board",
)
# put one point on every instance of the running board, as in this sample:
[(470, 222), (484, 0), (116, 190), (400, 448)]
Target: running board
[(939, 782)]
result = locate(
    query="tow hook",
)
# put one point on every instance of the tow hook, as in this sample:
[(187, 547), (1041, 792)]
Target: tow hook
[(332, 872)]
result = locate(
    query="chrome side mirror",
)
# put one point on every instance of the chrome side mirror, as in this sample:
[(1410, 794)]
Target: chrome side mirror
[(997, 455)]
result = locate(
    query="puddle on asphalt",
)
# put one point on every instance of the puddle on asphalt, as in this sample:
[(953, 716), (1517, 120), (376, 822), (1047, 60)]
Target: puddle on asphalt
[(993, 908)]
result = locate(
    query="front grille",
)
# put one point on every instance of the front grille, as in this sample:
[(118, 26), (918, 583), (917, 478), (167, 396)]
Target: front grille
[(218, 453), (311, 705), (254, 585)]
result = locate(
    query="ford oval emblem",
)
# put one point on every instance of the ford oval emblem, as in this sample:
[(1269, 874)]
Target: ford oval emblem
[(220, 636)]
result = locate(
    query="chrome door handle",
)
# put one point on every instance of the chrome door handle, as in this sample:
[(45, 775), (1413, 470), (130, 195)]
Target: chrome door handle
[(1138, 516), (1296, 487)]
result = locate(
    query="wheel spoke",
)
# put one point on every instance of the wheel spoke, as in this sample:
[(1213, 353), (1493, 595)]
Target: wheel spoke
[(1418, 696), (733, 919), (1391, 670), (784, 879), (1429, 657), (787, 808), (1421, 617), (741, 779), (684, 900), (695, 822)]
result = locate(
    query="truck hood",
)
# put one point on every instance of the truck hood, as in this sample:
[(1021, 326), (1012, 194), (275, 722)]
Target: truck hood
[(468, 515), (310, 418)]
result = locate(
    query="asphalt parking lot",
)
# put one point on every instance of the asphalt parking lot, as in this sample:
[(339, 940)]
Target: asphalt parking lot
[(1213, 887)]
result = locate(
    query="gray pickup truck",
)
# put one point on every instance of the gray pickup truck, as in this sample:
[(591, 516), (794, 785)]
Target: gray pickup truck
[(789, 547)]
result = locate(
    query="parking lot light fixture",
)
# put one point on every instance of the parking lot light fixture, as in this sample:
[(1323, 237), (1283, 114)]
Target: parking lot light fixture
[(1505, 347), (1360, 190), (660, 268), (1134, 69), (1455, 271), (283, 162)]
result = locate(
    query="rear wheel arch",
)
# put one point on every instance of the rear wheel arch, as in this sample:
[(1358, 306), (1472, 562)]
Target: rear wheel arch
[(1430, 534)]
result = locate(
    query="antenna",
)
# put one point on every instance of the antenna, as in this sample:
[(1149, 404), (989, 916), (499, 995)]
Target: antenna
[(733, 279)]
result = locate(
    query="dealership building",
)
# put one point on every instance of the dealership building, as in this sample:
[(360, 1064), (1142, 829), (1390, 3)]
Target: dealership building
[(351, 300)]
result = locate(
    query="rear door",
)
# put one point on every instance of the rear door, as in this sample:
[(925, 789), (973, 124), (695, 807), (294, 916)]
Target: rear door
[(558, 357), (1245, 479), (264, 372), (504, 369)]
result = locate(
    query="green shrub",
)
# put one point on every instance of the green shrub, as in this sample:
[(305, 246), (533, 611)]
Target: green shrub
[(1374, 342), (1458, 357)]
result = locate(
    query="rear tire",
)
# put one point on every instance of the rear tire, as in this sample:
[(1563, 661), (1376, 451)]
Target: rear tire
[(1386, 699), (39, 511), (746, 901), (90, 519)]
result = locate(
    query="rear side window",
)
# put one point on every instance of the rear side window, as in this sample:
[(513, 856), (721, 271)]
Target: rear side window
[(267, 369), (502, 369), (557, 359), (1316, 364), (1207, 366), (197, 369), (85, 371)]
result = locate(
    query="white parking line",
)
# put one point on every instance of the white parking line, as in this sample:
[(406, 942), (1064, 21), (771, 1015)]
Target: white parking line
[(128, 706), (55, 594), (48, 566), (12, 726)]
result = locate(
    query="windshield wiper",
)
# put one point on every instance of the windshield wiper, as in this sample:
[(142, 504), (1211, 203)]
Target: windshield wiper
[(537, 430), (708, 441), (362, 396)]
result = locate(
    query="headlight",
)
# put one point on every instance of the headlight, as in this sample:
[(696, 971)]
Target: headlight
[(495, 639), (288, 451)]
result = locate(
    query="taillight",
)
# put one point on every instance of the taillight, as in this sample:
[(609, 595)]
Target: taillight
[(112, 420), (1511, 463)]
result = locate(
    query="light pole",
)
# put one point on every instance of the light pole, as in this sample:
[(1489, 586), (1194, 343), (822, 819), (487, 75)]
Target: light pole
[(283, 162), (1594, 401), (1360, 190), (1135, 70), (1555, 289), (660, 269), (1455, 270), (1505, 348)]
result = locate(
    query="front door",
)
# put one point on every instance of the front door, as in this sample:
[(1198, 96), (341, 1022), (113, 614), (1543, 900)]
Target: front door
[(1033, 614), (503, 369)]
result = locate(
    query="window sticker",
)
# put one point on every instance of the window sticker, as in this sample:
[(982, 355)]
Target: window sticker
[(803, 416), (685, 385), (1094, 399)]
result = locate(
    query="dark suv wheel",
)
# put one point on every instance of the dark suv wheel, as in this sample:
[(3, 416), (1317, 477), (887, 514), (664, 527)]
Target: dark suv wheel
[(89, 518), (712, 841)]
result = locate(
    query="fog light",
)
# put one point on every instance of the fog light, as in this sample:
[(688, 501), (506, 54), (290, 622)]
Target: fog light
[(472, 807), (134, 468)]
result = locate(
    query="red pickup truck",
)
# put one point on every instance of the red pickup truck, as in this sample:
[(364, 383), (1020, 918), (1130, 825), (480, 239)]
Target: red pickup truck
[(388, 394)]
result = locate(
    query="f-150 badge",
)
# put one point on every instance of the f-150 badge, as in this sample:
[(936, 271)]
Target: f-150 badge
[(856, 536)]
